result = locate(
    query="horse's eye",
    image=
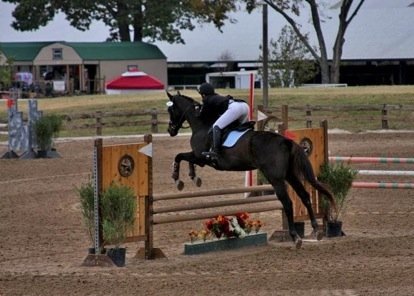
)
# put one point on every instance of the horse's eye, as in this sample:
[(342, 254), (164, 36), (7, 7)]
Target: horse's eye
[(169, 104)]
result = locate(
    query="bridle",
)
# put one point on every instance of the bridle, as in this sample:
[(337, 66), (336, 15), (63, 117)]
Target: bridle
[(178, 127)]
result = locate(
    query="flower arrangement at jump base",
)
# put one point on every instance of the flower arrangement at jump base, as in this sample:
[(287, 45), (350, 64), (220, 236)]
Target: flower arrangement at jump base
[(227, 227)]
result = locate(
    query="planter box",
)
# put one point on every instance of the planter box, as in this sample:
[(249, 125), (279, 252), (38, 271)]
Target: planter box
[(199, 247)]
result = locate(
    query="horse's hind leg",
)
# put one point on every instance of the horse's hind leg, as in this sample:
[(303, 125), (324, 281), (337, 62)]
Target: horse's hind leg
[(176, 175), (282, 194), (192, 173), (305, 198)]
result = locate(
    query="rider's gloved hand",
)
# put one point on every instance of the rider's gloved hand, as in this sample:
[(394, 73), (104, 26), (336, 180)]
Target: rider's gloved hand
[(197, 110)]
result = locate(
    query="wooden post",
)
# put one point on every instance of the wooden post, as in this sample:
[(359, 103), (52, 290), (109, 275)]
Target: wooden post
[(154, 121), (149, 251), (98, 123), (308, 116), (149, 240), (285, 116), (324, 125), (384, 116)]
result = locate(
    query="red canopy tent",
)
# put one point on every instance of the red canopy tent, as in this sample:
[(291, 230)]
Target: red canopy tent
[(133, 81)]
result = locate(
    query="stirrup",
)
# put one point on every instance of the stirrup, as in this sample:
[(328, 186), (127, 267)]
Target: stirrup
[(212, 155)]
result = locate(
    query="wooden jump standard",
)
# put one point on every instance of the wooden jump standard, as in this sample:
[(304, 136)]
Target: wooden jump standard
[(131, 164), (315, 141)]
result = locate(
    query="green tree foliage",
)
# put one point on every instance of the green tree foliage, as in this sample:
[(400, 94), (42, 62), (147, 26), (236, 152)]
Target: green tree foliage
[(152, 19), (289, 60), (6, 75)]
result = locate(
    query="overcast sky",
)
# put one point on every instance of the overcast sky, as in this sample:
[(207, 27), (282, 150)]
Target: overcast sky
[(393, 19), (58, 29), (242, 41)]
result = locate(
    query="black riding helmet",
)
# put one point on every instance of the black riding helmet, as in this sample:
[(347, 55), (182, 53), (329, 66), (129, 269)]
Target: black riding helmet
[(206, 89)]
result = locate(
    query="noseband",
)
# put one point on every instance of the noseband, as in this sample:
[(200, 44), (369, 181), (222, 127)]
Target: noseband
[(177, 127)]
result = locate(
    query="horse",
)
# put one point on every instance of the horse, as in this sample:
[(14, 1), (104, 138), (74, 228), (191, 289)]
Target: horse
[(278, 158)]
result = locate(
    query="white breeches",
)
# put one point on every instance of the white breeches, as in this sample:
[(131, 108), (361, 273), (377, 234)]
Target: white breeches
[(236, 111)]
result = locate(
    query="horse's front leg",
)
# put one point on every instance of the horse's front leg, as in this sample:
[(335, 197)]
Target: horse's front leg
[(176, 175), (192, 173), (186, 156)]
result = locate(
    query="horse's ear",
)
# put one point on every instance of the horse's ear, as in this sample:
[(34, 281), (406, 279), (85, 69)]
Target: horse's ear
[(170, 96), (178, 93)]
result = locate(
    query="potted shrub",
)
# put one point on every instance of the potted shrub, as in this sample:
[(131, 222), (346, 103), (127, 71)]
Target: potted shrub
[(86, 194), (45, 129), (118, 205), (339, 178)]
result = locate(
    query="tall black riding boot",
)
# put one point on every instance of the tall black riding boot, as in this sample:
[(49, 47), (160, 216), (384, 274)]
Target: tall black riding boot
[(213, 153)]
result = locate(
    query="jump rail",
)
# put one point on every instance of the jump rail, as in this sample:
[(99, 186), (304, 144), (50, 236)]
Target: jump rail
[(378, 160), (383, 185), (385, 173), (179, 213), (354, 159)]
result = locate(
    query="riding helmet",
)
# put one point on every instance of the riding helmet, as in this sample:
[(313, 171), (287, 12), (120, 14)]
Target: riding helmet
[(206, 89)]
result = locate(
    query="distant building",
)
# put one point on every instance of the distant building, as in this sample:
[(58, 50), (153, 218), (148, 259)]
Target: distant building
[(378, 47), (82, 66), (234, 79)]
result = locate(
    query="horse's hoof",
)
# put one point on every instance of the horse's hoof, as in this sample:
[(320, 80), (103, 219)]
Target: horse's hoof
[(298, 243), (316, 234), (197, 181), (319, 235), (179, 184)]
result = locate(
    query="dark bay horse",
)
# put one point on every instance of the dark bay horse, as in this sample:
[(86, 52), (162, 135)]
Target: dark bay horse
[(278, 158)]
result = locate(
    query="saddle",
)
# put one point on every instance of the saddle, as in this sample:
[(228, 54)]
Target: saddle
[(234, 131), (235, 126), (230, 135)]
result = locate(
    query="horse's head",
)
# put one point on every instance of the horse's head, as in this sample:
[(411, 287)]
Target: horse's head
[(180, 108)]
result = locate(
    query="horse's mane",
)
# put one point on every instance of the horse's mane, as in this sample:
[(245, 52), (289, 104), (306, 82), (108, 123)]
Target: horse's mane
[(193, 101), (205, 118)]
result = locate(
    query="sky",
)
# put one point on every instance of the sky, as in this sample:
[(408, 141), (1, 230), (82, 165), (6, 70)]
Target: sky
[(364, 38), (248, 31), (58, 29)]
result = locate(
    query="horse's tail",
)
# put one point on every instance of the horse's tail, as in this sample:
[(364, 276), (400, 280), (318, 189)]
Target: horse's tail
[(303, 167)]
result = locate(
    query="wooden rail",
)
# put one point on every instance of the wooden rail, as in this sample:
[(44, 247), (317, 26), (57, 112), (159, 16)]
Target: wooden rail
[(386, 116), (160, 214)]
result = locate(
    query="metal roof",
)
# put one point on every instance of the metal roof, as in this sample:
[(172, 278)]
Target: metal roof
[(27, 51), (116, 50)]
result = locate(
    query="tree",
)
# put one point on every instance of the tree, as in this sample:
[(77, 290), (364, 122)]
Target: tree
[(226, 58), (152, 19), (289, 60), (6, 73), (291, 9)]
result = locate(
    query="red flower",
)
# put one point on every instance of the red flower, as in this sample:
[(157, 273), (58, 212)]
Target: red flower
[(242, 219), (221, 225)]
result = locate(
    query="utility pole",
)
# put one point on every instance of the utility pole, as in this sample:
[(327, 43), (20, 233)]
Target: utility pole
[(265, 53)]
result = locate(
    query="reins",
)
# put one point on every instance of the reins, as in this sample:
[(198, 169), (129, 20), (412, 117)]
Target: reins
[(182, 116)]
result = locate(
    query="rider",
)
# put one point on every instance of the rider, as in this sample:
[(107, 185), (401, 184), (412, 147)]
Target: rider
[(227, 108)]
